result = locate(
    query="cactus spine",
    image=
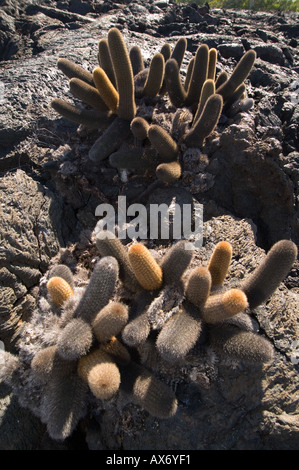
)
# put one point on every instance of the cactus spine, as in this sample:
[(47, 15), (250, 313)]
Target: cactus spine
[(199, 75), (175, 262), (198, 286), (212, 64)]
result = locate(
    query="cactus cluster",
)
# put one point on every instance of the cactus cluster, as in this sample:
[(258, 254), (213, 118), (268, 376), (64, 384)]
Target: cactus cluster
[(120, 91), (94, 340)]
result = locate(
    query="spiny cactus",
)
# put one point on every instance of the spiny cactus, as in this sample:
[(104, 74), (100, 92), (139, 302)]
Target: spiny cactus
[(121, 88)]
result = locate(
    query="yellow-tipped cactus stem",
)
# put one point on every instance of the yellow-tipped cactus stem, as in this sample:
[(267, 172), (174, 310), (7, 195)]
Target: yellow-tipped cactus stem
[(59, 290), (101, 374), (147, 271), (221, 306), (219, 262), (105, 88), (110, 321)]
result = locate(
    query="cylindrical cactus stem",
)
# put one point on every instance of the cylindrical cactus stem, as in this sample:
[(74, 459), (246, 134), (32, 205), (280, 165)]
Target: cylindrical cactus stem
[(265, 279), (59, 290), (206, 123), (166, 51), (110, 321), (237, 95), (99, 289), (222, 78), (175, 262), (47, 363), (92, 119), (219, 262), (139, 127), (198, 286), (207, 90), (101, 373), (212, 64), (63, 404), (110, 140), (87, 93), (105, 61), (189, 73), (109, 245), (148, 391), (147, 271), (117, 351), (179, 51), (105, 88), (242, 345), (61, 270), (136, 331), (72, 70), (174, 86), (220, 306), (240, 73), (169, 173), (163, 143), (123, 73), (155, 76), (199, 75), (75, 340), (136, 60), (179, 334)]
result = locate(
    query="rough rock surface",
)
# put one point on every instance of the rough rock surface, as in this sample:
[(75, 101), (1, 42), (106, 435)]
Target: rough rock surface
[(249, 169)]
